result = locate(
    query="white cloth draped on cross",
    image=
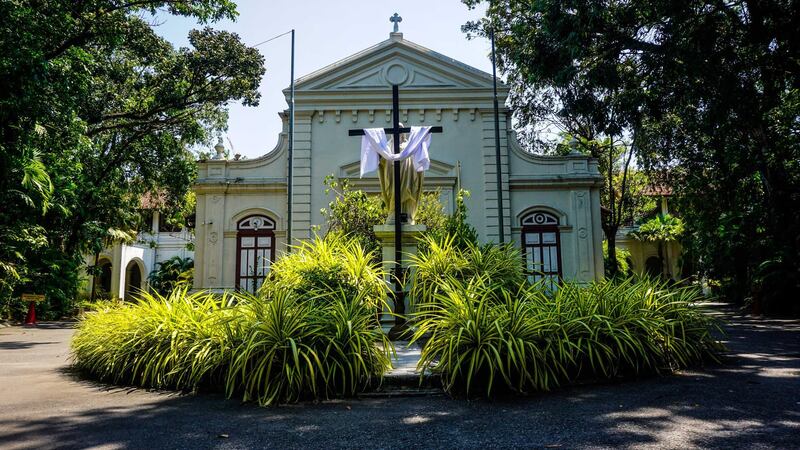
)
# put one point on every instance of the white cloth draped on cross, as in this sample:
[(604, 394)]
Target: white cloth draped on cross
[(375, 145)]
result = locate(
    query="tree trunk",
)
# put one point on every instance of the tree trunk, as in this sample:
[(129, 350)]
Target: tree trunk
[(94, 276), (611, 239)]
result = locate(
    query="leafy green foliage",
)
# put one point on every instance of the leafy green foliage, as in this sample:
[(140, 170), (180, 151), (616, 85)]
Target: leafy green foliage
[(707, 93), (172, 274), (96, 110), (182, 341), (295, 348), (353, 213), (662, 228), (623, 267), (335, 263), (443, 227), (481, 337), (442, 261)]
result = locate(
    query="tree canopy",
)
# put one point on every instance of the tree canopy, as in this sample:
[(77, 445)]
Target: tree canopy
[(708, 91), (96, 110)]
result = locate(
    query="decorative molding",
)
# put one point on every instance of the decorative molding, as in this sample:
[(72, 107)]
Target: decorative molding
[(355, 115), (253, 187), (438, 114), (338, 115), (455, 114), (404, 115), (256, 222), (472, 112), (388, 115), (371, 115), (422, 115), (320, 115), (551, 182)]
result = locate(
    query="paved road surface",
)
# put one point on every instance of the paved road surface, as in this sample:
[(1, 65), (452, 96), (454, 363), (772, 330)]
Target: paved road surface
[(753, 401)]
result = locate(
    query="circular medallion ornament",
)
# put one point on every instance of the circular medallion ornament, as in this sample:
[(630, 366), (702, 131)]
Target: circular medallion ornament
[(396, 74)]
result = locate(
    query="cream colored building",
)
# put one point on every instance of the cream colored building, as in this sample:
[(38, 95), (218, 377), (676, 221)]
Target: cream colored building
[(124, 268), (646, 257), (551, 204)]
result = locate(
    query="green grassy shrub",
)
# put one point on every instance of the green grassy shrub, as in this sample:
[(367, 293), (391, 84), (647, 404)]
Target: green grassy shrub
[(331, 263), (443, 260), (280, 347), (294, 349), (181, 341), (482, 336)]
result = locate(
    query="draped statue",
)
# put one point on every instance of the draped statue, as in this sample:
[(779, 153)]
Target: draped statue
[(410, 185), (376, 154)]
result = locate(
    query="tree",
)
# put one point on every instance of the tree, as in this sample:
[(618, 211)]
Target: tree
[(354, 213), (110, 111), (171, 273), (709, 91), (622, 195)]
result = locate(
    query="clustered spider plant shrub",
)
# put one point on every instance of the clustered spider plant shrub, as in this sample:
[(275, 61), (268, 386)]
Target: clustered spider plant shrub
[(297, 339), (179, 341), (334, 262), (482, 336), (443, 259), (294, 348)]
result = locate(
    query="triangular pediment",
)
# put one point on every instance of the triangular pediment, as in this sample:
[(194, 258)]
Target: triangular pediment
[(395, 61)]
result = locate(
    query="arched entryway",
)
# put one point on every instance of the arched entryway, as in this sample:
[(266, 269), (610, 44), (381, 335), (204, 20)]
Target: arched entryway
[(541, 246), (102, 280), (654, 267), (133, 280)]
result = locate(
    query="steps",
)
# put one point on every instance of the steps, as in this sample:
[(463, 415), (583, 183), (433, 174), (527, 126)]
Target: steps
[(403, 379)]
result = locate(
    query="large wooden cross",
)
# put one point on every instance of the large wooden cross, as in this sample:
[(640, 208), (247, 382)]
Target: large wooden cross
[(399, 276)]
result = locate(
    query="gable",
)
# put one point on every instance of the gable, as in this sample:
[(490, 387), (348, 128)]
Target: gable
[(394, 61)]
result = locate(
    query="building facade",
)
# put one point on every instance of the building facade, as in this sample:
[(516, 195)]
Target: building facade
[(124, 268), (551, 205)]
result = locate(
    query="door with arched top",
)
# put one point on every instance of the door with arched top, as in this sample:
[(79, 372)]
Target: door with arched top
[(541, 247), (255, 251)]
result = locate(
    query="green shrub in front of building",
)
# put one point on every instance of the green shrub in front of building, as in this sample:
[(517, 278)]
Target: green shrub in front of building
[(482, 338), (312, 332)]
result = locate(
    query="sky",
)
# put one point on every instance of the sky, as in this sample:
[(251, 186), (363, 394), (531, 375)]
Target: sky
[(326, 31)]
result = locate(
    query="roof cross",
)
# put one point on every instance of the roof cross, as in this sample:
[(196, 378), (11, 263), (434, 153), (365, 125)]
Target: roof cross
[(396, 19)]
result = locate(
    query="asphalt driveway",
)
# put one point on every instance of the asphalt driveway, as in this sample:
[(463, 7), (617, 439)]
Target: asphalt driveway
[(752, 401)]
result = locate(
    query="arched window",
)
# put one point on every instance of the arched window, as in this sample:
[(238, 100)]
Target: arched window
[(541, 246), (255, 251)]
